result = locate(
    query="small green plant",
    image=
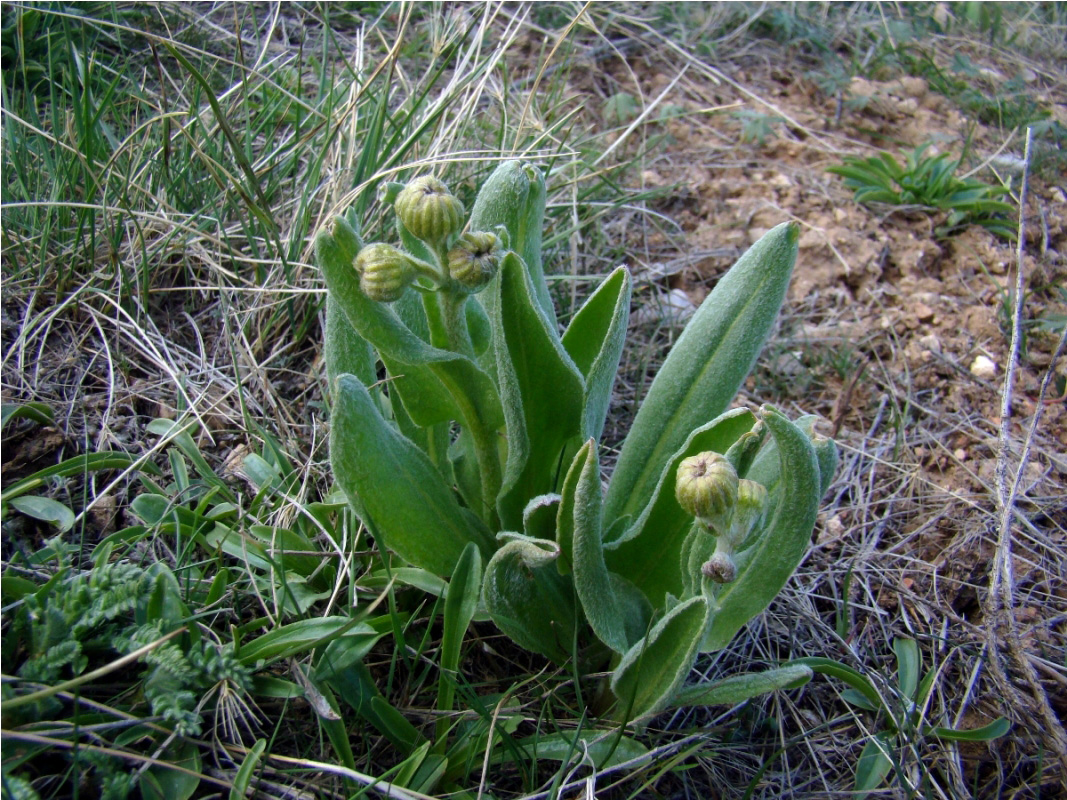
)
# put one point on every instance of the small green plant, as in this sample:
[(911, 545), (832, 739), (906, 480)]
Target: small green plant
[(756, 127), (928, 182), (481, 442), (902, 712)]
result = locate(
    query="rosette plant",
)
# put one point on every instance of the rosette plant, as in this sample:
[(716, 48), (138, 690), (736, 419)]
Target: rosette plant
[(465, 430)]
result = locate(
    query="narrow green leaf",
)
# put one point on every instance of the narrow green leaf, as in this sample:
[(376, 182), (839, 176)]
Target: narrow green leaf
[(705, 368), (650, 672), (766, 565), (299, 637), (46, 510), (604, 749), (247, 769), (994, 730), (78, 465), (344, 350), (411, 509), (835, 669), (613, 620), (648, 552), (739, 688), (594, 339), (41, 413), (464, 589), (541, 389)]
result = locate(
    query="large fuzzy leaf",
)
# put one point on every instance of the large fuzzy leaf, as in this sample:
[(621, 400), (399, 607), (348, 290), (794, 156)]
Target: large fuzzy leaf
[(410, 508), (705, 368)]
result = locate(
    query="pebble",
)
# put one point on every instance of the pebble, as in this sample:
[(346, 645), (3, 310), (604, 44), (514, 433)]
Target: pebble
[(983, 367)]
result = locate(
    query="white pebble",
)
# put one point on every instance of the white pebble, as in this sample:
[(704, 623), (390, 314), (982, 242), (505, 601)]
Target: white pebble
[(984, 368)]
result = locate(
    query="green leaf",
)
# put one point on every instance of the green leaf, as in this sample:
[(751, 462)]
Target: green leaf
[(247, 769), (594, 340), (167, 783), (41, 413), (541, 389), (835, 669), (705, 368), (299, 637), (739, 688), (464, 589), (874, 763), (529, 600), (604, 749), (344, 350), (909, 664), (994, 730), (78, 465), (764, 567), (650, 672), (514, 196), (648, 553), (409, 506), (46, 510), (616, 622)]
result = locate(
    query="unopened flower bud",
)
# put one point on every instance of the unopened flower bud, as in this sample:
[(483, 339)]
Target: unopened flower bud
[(474, 260), (749, 511), (706, 487), (429, 210), (384, 272), (721, 568)]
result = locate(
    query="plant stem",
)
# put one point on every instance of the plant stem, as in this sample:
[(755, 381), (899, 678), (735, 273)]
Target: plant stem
[(453, 311)]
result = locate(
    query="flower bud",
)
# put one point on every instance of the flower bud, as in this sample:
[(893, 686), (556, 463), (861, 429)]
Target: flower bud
[(706, 487), (474, 260), (749, 511), (384, 272), (428, 210), (721, 568)]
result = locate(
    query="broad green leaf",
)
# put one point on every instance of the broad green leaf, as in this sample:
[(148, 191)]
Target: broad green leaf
[(299, 637), (909, 664), (594, 339), (651, 671), (835, 669), (243, 778), (603, 749), (541, 389), (358, 689), (705, 367), (614, 623), (529, 600), (409, 506), (994, 730), (874, 763), (46, 510), (739, 688), (176, 774), (436, 385), (764, 567), (648, 553)]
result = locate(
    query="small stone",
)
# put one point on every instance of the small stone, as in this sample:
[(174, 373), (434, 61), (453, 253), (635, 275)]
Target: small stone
[(983, 367), (930, 342), (923, 312)]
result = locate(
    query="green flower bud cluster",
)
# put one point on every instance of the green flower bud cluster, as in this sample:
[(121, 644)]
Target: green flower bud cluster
[(429, 212), (727, 507)]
